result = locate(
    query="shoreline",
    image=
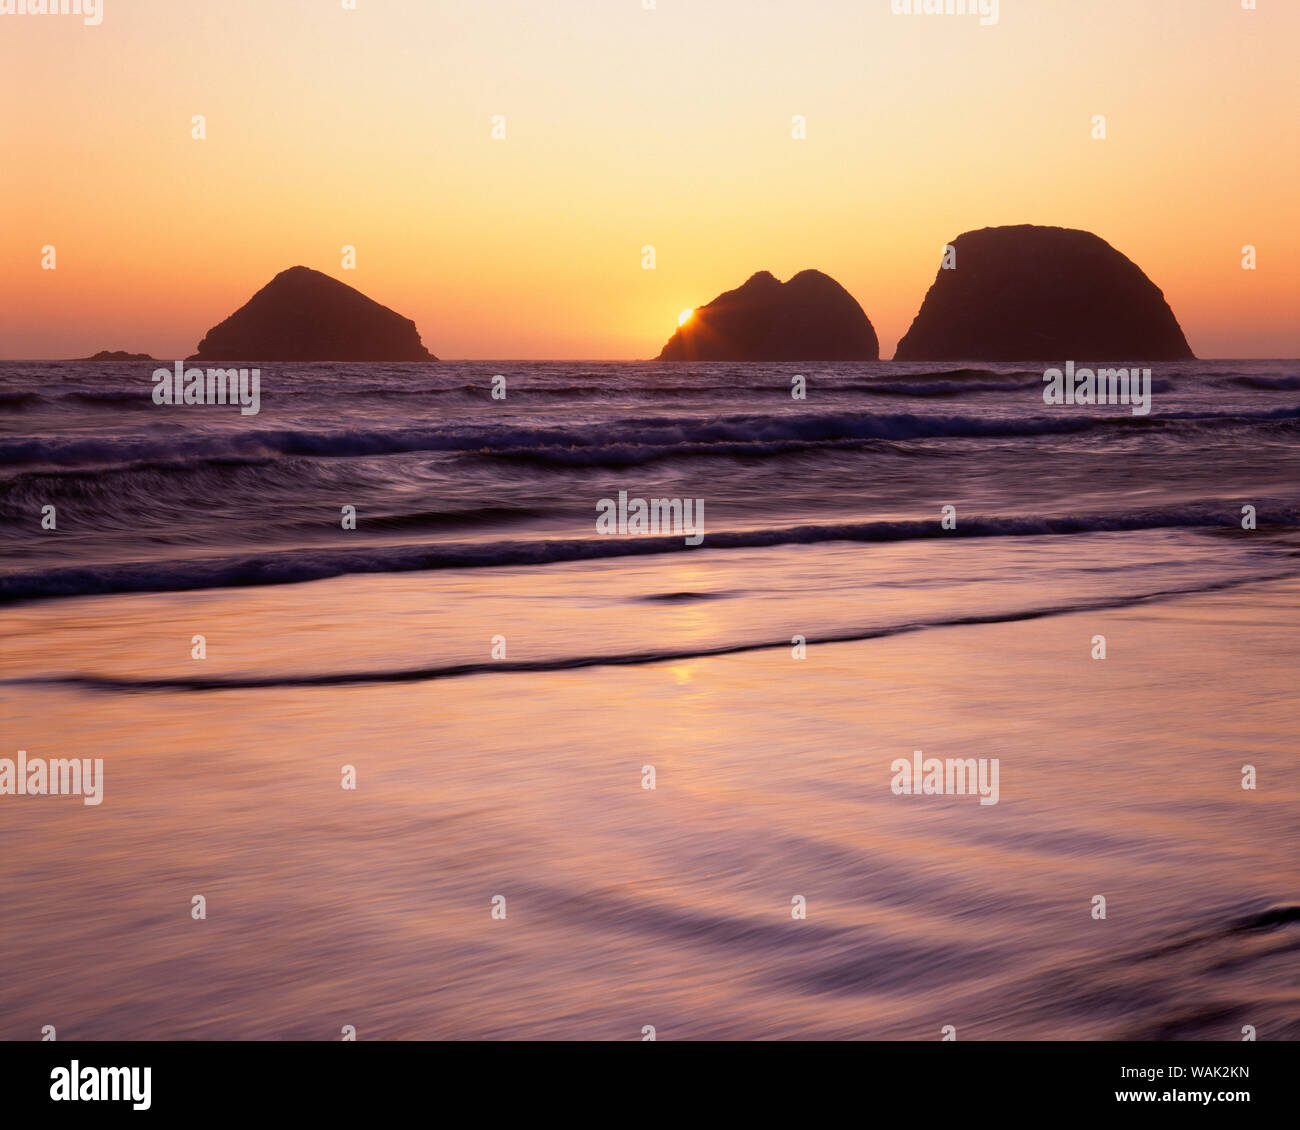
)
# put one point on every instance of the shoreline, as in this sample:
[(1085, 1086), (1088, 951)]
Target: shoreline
[(671, 906)]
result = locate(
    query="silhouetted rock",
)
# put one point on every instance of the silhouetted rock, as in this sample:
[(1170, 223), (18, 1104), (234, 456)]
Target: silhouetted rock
[(303, 315), (1028, 293), (809, 318), (117, 355)]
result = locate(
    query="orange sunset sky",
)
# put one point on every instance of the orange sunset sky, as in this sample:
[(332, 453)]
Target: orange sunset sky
[(626, 127)]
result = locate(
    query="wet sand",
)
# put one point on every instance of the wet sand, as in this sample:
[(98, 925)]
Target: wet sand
[(670, 907)]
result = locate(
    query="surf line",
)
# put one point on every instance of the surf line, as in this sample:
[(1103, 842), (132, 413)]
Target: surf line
[(112, 683)]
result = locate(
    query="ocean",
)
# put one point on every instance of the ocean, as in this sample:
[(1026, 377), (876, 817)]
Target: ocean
[(393, 572)]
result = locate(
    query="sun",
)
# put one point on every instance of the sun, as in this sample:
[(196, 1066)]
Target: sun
[(684, 317)]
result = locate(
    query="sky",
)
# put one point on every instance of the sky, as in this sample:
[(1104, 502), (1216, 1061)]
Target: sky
[(626, 127)]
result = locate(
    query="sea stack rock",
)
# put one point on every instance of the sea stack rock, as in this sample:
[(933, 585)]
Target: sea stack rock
[(303, 315), (809, 318), (1028, 293)]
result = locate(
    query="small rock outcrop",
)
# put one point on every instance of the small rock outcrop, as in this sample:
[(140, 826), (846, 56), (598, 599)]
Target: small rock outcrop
[(117, 355), (1028, 293), (809, 318), (303, 315)]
